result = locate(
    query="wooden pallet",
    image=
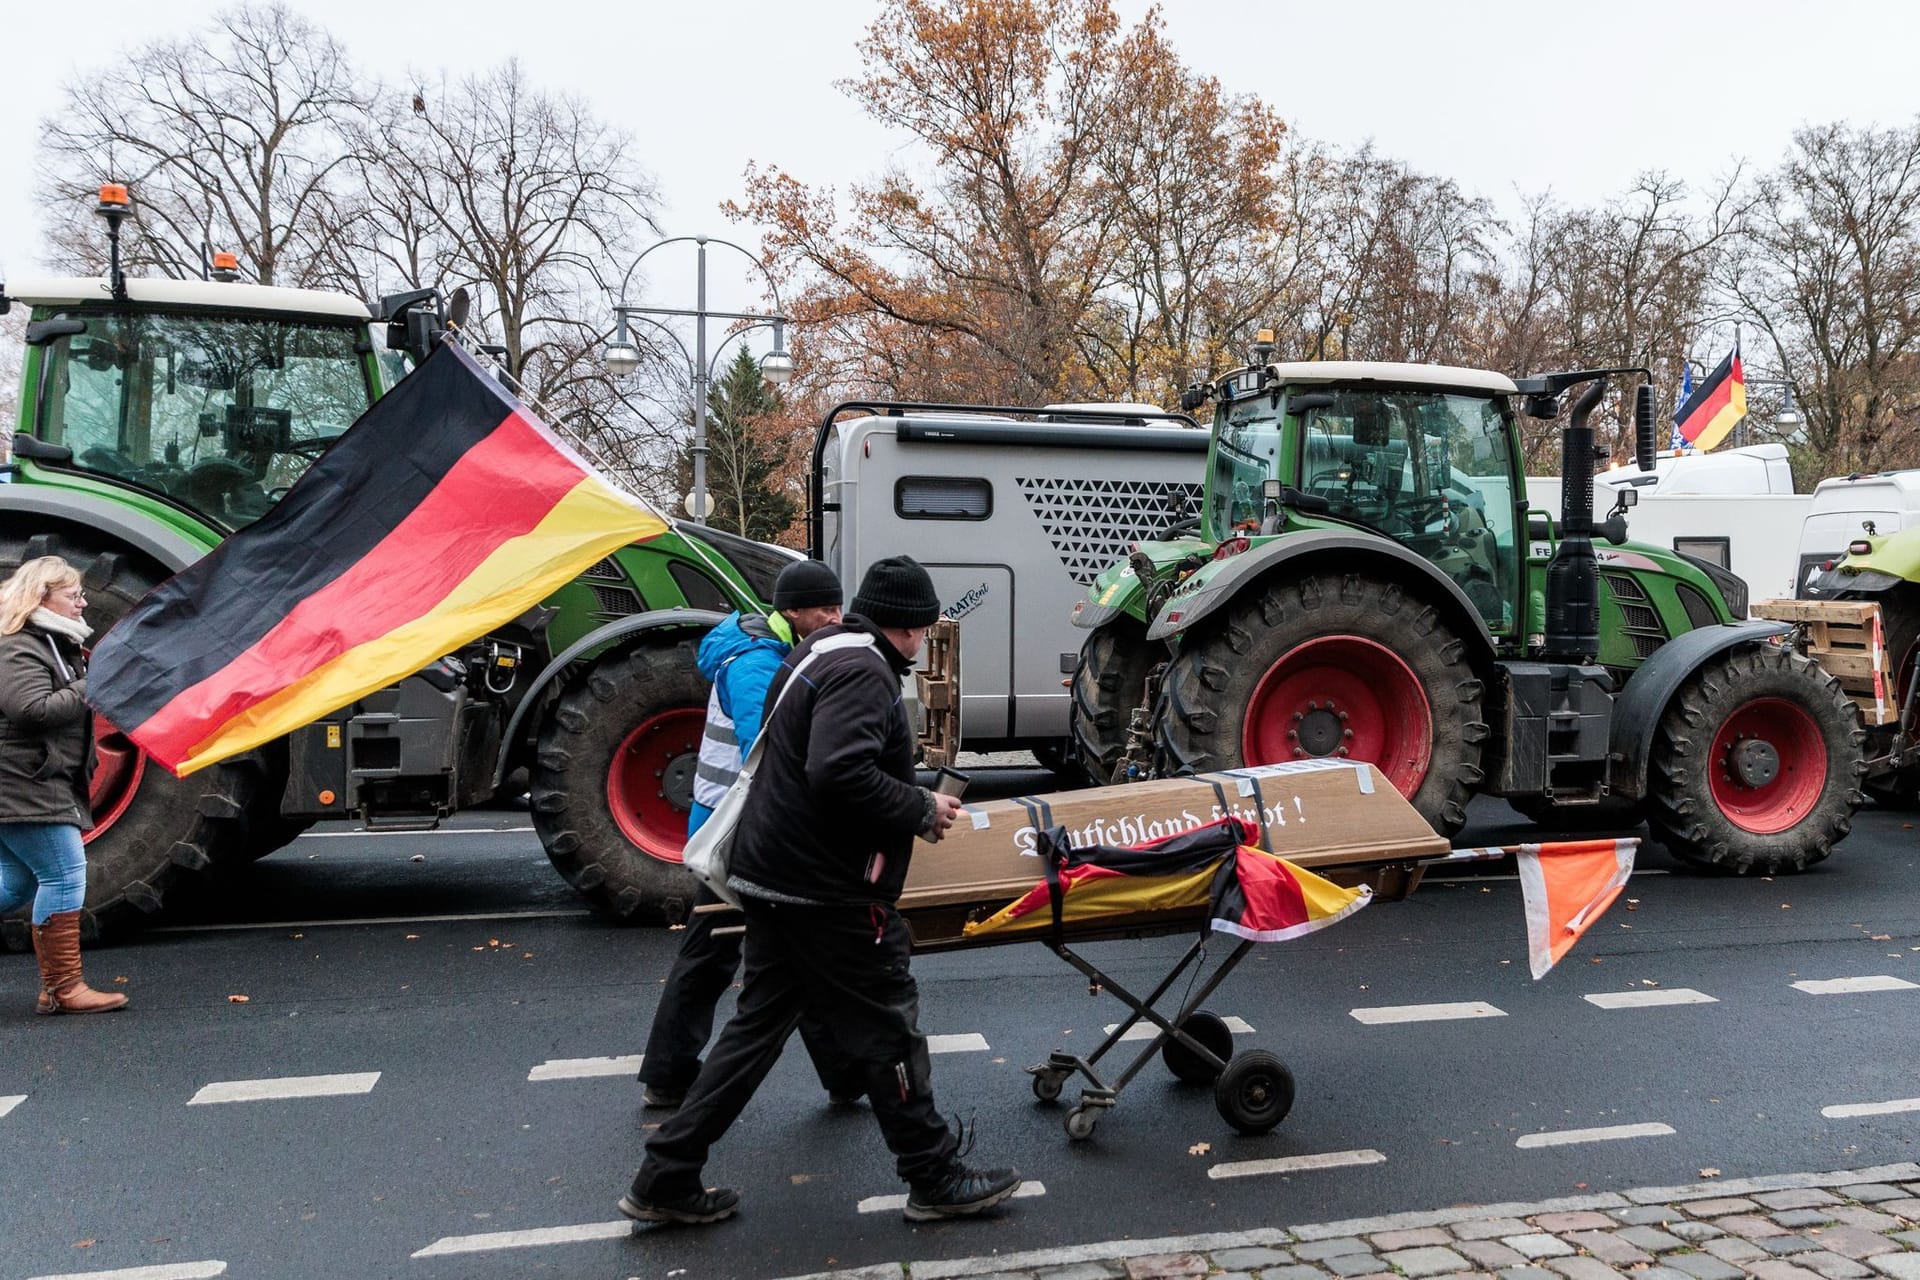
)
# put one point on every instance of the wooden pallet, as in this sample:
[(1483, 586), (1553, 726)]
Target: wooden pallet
[(1847, 639), (938, 684)]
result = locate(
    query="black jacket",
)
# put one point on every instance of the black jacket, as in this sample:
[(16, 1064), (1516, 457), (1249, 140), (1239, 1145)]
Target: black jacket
[(46, 730), (835, 782)]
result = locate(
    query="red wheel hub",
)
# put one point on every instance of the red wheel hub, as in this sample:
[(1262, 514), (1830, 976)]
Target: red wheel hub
[(1768, 767), (1344, 696), (117, 770), (650, 783)]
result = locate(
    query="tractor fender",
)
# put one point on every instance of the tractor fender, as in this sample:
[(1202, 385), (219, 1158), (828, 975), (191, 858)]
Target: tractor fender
[(1219, 582), (604, 637), (97, 515), (1637, 711)]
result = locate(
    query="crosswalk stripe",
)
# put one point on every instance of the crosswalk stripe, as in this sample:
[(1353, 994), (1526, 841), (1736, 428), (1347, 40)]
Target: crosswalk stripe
[(1295, 1164), (880, 1204), (1848, 986), (11, 1101), (491, 1240), (166, 1271), (1648, 999), (1381, 1015), (1848, 1109), (969, 1042), (1147, 1031), (582, 1068), (275, 1088), (1573, 1137)]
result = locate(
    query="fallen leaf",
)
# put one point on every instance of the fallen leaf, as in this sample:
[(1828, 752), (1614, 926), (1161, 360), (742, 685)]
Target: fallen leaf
[(493, 942), (479, 948), (526, 955), (1593, 960), (1883, 937), (1786, 906), (798, 1178), (675, 928), (1199, 1148), (413, 937), (1709, 1173), (238, 999), (1648, 982), (1579, 1186), (296, 935), (83, 1244), (418, 857), (119, 979)]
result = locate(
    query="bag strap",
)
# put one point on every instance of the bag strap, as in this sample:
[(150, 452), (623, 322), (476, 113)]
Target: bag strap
[(832, 644)]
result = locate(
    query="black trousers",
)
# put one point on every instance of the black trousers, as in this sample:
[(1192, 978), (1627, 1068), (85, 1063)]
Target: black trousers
[(846, 967), (683, 1021)]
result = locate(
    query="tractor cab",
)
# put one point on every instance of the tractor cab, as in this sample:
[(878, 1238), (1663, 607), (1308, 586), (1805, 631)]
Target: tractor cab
[(1420, 454)]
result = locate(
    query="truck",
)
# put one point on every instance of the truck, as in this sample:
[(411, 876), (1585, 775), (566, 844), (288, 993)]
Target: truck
[(1366, 579)]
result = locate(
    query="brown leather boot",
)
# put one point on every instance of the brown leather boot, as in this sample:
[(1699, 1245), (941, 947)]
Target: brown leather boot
[(62, 990)]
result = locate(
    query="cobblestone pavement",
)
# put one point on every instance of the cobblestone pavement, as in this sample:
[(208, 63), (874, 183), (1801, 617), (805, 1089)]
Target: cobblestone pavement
[(1858, 1224)]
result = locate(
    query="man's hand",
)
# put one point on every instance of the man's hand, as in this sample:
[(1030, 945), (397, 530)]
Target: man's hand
[(945, 810)]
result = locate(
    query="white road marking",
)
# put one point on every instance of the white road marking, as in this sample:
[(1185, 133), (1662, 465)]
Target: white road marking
[(1147, 1031), (581, 1068), (1295, 1164), (1381, 1015), (167, 1271), (1849, 1109), (488, 1241), (1847, 986), (1649, 999), (460, 831), (880, 1204), (970, 1042), (360, 920), (278, 1087), (11, 1101), (1610, 1133)]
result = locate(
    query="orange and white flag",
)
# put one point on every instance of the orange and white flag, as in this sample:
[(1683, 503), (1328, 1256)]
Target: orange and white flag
[(1567, 886)]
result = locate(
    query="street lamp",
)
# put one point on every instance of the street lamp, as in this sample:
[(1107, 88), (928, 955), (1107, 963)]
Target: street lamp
[(622, 356)]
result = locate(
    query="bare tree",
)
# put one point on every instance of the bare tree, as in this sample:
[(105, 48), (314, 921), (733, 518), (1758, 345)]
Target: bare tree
[(234, 135)]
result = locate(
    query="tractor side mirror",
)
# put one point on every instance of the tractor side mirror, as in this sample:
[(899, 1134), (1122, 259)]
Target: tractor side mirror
[(41, 332), (1301, 404), (1644, 446)]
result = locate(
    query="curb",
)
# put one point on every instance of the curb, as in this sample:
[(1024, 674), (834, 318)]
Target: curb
[(1413, 1220)]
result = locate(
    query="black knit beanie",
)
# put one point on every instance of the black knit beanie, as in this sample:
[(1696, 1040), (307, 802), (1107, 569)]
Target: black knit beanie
[(806, 584), (896, 593)]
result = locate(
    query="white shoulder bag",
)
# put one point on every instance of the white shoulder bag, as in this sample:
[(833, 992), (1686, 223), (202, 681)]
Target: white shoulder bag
[(709, 851)]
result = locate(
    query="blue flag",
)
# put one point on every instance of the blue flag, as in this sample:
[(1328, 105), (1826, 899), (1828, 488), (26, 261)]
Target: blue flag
[(1679, 442)]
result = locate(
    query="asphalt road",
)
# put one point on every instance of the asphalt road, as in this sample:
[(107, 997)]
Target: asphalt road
[(457, 1004)]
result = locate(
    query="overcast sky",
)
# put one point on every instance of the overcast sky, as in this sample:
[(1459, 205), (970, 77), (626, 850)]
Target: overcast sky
[(1572, 97)]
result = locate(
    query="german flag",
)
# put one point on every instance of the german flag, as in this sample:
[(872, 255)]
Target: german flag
[(1716, 405), (447, 510)]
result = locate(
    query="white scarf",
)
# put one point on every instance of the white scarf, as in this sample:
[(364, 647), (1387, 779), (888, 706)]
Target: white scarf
[(73, 628)]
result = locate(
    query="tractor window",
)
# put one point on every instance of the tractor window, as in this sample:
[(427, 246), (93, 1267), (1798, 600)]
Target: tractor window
[(1246, 455), (1430, 470), (222, 413)]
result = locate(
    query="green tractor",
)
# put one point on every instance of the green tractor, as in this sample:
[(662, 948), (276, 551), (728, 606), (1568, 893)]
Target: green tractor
[(159, 416), (1365, 580)]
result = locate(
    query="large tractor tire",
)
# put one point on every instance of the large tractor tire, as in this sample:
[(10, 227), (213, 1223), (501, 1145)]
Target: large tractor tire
[(613, 779), (1346, 665), (1756, 764), (151, 830), (1108, 683)]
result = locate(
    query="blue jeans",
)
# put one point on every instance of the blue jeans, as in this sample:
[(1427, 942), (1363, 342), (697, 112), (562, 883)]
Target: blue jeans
[(44, 861)]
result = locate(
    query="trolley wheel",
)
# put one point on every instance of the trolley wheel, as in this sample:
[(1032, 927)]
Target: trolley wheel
[(1210, 1030), (1047, 1086), (1255, 1092), (1080, 1121)]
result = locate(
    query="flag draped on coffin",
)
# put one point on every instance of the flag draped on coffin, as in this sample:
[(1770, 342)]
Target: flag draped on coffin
[(447, 510), (1716, 406), (1249, 892)]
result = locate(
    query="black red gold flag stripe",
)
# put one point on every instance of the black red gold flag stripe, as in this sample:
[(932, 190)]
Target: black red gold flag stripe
[(446, 511), (1716, 405)]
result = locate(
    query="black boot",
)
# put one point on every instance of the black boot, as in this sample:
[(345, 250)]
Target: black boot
[(960, 1192), (711, 1204)]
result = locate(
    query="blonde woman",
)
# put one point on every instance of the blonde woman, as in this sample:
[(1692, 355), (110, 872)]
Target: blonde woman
[(46, 755)]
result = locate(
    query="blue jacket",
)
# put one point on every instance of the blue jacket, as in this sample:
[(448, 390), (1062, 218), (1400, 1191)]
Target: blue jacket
[(740, 658)]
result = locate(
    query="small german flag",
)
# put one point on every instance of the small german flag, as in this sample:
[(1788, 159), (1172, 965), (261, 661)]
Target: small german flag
[(1715, 406), (445, 511)]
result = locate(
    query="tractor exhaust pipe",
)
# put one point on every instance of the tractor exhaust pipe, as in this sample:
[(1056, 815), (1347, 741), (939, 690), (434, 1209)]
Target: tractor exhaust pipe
[(1573, 579)]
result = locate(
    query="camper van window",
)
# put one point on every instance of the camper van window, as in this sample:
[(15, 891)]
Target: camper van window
[(700, 590), (942, 498), (1713, 550)]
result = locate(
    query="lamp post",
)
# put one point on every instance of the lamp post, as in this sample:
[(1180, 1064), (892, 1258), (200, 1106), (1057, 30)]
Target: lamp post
[(622, 355)]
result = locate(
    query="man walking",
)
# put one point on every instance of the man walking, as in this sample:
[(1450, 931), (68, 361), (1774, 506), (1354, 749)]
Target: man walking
[(819, 860), (740, 658)]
